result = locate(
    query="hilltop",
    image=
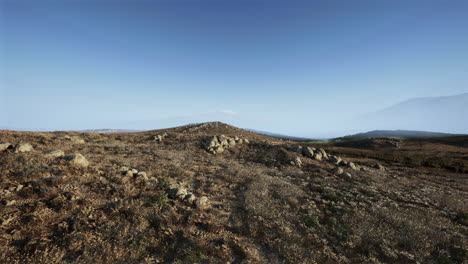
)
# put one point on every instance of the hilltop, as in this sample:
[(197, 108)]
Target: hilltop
[(215, 193)]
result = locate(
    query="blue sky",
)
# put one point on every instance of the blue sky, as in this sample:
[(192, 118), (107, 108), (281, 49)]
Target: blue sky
[(294, 67)]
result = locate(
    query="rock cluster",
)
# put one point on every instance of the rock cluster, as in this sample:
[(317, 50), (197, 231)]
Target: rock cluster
[(320, 154), (131, 173), (218, 144), (178, 192)]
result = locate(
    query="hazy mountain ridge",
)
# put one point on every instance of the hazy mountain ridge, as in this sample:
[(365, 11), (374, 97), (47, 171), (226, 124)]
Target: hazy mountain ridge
[(444, 114)]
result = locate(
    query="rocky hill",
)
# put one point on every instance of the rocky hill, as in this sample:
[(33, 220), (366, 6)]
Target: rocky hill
[(214, 193)]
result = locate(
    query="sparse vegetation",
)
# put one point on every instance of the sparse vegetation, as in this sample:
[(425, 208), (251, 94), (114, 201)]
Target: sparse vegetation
[(262, 208)]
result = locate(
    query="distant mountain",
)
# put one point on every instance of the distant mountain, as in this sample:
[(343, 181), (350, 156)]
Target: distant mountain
[(281, 136), (396, 134), (444, 114)]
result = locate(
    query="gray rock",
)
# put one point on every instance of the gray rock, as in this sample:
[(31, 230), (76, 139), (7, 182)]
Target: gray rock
[(346, 175), (318, 156), (352, 166), (23, 147), (77, 160), (324, 154), (190, 198), (335, 160), (338, 170), (55, 154), (308, 152)]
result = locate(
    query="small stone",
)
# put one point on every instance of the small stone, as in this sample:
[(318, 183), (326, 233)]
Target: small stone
[(55, 154), (134, 171)]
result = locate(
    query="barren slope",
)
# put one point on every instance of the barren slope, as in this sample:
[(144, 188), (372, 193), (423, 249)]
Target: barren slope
[(261, 207)]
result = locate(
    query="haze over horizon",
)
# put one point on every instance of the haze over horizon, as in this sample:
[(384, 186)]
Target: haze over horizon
[(301, 68)]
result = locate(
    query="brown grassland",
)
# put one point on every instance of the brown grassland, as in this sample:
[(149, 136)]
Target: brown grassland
[(262, 209)]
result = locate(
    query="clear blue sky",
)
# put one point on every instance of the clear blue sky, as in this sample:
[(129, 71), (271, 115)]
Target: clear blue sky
[(294, 67)]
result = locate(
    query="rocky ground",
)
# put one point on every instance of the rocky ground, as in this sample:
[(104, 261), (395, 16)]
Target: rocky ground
[(212, 193)]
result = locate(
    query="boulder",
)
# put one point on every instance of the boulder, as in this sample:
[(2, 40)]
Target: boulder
[(335, 160), (318, 156), (5, 146), (202, 203), (308, 152), (346, 175), (352, 166), (77, 160), (338, 171), (324, 154), (55, 154), (246, 141), (23, 147)]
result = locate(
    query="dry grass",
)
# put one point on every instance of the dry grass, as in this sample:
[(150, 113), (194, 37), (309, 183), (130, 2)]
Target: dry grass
[(263, 210)]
